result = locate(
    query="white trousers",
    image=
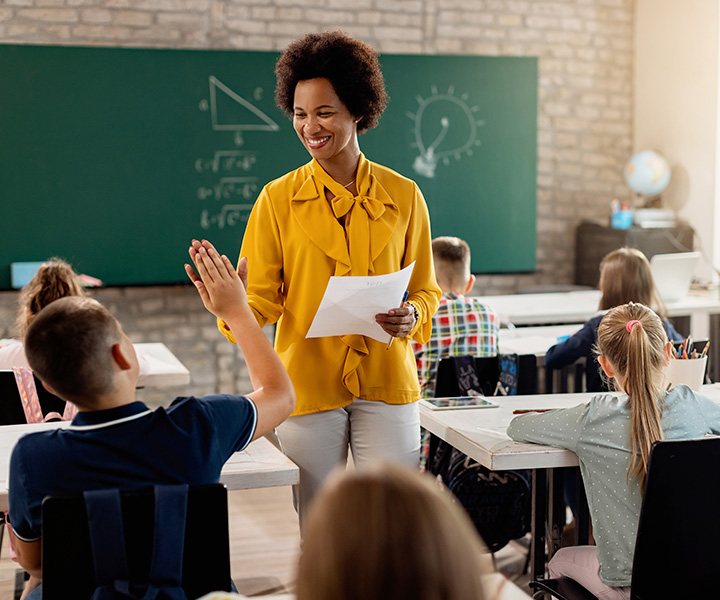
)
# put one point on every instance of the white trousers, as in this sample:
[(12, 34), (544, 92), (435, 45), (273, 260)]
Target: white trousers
[(581, 564), (319, 442)]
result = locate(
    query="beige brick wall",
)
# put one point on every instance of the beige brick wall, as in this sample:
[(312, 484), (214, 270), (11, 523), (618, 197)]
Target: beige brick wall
[(585, 52)]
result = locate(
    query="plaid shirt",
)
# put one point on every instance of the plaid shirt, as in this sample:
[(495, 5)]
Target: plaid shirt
[(460, 326)]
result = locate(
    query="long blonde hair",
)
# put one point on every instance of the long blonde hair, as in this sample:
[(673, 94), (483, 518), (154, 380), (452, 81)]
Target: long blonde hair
[(626, 276), (636, 352), (388, 532), (54, 279)]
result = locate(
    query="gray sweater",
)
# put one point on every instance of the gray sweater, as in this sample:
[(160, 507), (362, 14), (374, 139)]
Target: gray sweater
[(599, 433)]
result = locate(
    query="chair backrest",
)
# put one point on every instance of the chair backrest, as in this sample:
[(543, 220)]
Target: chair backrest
[(488, 370), (67, 557), (11, 410), (570, 378), (677, 553)]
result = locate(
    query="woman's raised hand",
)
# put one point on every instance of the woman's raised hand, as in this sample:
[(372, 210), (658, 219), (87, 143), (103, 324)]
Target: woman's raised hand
[(221, 287)]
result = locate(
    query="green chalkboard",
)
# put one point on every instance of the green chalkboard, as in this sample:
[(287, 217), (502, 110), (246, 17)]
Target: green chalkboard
[(115, 158)]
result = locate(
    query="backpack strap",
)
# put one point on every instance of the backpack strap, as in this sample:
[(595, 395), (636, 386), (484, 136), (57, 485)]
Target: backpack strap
[(28, 394), (108, 545), (107, 540), (169, 540)]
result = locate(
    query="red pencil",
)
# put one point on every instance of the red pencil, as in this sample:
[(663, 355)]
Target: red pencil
[(520, 411)]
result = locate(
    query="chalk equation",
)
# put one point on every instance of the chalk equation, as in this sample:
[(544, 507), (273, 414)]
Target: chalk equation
[(226, 174), (445, 126), (225, 161), (230, 188), (229, 216)]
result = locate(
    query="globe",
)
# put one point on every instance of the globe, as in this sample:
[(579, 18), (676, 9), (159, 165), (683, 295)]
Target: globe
[(647, 173)]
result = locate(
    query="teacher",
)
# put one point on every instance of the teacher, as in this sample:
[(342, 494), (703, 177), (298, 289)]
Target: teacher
[(339, 214)]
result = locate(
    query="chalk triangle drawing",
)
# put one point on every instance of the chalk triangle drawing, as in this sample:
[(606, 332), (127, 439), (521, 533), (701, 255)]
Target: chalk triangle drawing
[(230, 111)]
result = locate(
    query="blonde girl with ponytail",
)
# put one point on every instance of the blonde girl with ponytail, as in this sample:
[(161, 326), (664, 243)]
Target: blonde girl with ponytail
[(54, 279), (612, 436)]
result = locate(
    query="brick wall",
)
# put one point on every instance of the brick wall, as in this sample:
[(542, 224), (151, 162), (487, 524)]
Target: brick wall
[(585, 51)]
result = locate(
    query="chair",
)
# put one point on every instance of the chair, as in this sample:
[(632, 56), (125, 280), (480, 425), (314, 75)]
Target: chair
[(676, 549), (563, 379), (67, 560), (489, 370)]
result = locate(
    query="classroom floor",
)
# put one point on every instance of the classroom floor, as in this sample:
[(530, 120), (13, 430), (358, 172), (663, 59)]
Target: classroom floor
[(264, 543)]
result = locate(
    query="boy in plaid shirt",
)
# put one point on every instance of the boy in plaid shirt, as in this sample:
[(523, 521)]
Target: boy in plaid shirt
[(461, 325)]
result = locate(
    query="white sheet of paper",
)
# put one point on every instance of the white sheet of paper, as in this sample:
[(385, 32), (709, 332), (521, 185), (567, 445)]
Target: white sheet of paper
[(350, 304)]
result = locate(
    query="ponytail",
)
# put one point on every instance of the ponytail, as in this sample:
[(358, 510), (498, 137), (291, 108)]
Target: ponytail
[(632, 339), (55, 279)]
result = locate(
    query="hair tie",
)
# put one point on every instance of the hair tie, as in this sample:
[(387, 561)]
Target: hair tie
[(630, 324)]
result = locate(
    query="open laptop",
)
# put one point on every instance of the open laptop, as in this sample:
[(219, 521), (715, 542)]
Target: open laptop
[(673, 274)]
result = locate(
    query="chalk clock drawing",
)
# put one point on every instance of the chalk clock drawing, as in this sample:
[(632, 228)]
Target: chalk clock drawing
[(445, 126)]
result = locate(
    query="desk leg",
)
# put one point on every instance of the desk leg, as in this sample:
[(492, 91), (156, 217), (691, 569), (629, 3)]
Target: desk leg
[(537, 525), (556, 510), (582, 518)]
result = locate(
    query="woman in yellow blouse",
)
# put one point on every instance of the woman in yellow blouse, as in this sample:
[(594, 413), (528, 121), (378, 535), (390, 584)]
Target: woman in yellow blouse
[(339, 214)]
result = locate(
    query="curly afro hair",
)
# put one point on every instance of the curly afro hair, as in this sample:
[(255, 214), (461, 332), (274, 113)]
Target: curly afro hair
[(350, 65)]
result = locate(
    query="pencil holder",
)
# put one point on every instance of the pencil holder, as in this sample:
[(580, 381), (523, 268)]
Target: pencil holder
[(690, 371), (621, 220)]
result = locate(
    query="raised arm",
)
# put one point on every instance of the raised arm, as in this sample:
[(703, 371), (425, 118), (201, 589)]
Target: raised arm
[(222, 290)]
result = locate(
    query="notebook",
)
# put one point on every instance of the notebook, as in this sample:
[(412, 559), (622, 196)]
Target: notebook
[(673, 274)]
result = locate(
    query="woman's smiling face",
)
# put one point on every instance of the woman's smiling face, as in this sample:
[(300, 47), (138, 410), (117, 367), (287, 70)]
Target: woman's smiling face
[(323, 123)]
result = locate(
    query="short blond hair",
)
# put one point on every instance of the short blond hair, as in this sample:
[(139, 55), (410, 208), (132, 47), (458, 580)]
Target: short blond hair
[(388, 532), (451, 256)]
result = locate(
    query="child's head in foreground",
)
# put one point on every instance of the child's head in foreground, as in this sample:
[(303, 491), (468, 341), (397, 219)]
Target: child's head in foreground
[(388, 532), (70, 347)]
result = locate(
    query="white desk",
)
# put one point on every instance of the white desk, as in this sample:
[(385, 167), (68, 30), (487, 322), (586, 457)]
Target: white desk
[(578, 307), (533, 340), (159, 367), (260, 465)]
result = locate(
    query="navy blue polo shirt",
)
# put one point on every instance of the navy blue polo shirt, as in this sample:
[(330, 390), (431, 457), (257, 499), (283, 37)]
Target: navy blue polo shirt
[(127, 447)]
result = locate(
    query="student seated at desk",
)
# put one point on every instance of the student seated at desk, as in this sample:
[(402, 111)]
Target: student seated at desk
[(81, 353), (612, 436), (54, 279), (385, 531), (461, 325), (625, 276)]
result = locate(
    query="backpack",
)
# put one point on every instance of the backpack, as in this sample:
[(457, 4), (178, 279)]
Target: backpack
[(498, 502), (108, 546)]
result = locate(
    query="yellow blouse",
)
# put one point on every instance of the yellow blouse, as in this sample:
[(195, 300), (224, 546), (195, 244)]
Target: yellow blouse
[(294, 242)]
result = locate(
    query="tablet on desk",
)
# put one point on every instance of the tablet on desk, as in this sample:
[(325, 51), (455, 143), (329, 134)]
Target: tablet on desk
[(456, 402)]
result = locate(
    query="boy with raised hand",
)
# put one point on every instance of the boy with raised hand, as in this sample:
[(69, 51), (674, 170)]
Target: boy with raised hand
[(81, 354)]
